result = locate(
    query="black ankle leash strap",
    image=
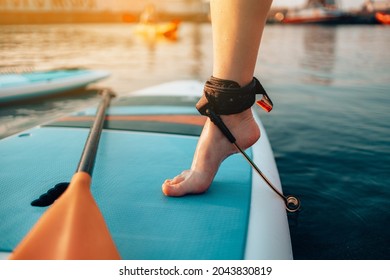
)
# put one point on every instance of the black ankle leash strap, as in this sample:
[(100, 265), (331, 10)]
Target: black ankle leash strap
[(226, 97)]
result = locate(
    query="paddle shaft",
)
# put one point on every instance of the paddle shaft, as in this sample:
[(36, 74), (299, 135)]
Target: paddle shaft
[(73, 228), (87, 160), (88, 156)]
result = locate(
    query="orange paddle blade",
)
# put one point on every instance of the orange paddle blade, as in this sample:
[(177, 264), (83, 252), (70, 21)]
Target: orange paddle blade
[(72, 228)]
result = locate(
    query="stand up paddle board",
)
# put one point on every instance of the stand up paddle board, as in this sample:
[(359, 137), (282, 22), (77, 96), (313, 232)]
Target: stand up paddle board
[(148, 136), (20, 86)]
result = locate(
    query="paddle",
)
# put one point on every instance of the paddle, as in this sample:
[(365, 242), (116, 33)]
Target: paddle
[(73, 227)]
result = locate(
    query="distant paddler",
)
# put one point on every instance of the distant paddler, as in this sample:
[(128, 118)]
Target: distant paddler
[(149, 15)]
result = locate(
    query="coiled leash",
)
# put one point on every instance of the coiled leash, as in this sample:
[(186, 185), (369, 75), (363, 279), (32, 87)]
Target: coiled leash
[(225, 97)]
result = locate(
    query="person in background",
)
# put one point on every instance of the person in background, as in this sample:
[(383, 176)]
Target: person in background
[(149, 15), (237, 27)]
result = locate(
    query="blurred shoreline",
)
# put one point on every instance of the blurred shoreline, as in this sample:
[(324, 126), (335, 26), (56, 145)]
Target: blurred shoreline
[(52, 17), (63, 17)]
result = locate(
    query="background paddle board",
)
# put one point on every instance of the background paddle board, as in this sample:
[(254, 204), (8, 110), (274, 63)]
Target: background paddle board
[(20, 86)]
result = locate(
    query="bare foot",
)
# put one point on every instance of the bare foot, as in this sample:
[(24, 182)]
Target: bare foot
[(212, 148)]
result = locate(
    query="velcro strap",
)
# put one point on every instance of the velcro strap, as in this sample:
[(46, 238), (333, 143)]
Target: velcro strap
[(226, 97)]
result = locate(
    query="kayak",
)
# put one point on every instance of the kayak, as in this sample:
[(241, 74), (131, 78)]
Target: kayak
[(21, 86), (148, 136), (154, 30)]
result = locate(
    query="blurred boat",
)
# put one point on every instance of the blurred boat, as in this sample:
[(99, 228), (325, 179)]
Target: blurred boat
[(314, 12), (313, 15), (383, 18)]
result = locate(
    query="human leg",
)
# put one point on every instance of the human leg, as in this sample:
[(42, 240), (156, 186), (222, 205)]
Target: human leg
[(237, 30)]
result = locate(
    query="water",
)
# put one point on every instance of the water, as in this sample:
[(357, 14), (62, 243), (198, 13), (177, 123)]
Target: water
[(329, 129)]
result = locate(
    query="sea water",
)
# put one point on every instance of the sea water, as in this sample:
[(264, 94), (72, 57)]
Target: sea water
[(329, 130)]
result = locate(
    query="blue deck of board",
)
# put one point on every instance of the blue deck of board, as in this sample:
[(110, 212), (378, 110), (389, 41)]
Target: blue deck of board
[(130, 168)]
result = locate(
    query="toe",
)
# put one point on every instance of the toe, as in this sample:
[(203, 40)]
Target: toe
[(172, 189)]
